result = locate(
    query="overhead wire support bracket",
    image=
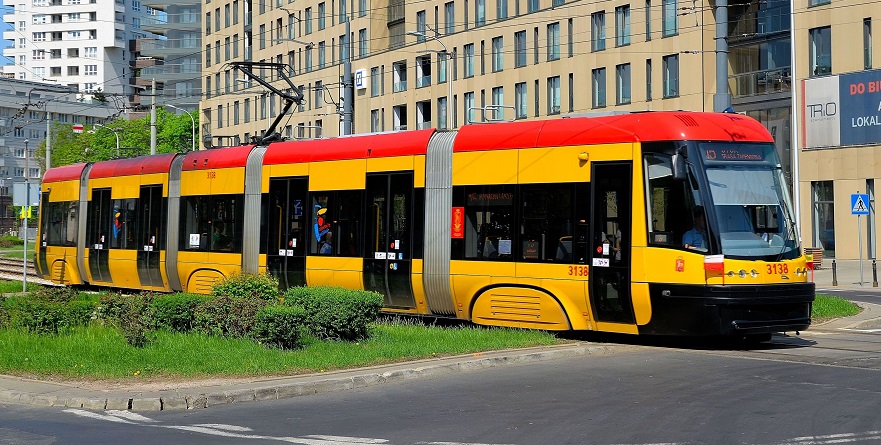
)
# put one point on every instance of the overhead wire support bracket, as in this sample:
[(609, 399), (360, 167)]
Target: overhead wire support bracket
[(270, 135)]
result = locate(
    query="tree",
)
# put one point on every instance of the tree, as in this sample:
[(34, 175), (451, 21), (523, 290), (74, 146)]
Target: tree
[(174, 133)]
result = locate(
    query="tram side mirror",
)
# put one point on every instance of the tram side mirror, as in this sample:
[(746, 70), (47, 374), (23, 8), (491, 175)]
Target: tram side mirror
[(679, 170)]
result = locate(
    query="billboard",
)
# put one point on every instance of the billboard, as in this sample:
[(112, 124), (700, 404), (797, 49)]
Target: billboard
[(842, 110)]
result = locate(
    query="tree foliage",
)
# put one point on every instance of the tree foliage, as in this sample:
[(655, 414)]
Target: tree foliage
[(173, 135)]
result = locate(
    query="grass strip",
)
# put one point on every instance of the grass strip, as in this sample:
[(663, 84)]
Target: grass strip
[(826, 307), (100, 352)]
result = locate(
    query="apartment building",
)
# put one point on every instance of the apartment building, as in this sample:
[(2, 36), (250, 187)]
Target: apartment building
[(177, 54), (839, 102), (25, 109), (81, 43)]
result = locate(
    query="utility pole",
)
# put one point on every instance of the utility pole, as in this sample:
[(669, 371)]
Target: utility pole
[(48, 138), (153, 117), (722, 99), (348, 85), (24, 219)]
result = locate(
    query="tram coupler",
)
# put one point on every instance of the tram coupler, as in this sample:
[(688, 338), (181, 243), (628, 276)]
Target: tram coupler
[(874, 274), (834, 274)]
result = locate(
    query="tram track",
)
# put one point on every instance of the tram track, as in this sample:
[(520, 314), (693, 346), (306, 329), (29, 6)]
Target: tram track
[(12, 268)]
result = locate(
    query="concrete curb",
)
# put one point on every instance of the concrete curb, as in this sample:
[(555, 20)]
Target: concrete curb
[(285, 388)]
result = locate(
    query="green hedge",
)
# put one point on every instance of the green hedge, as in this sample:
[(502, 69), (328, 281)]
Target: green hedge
[(175, 312), (227, 316), (336, 313), (132, 314), (280, 326), (44, 316), (247, 285)]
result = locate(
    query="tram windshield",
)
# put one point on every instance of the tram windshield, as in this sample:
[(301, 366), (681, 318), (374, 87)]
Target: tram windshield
[(750, 199), (734, 201)]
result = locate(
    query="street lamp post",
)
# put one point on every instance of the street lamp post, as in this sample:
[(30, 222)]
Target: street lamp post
[(447, 57), (115, 134), (191, 118), (24, 219)]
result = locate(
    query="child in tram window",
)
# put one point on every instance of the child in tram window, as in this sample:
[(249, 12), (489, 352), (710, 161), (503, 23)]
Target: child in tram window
[(327, 246)]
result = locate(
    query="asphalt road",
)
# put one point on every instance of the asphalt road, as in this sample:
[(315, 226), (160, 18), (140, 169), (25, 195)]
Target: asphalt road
[(821, 387)]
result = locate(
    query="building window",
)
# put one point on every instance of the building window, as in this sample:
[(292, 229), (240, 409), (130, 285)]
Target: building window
[(648, 80), (362, 8), (598, 77), (362, 42), (262, 38), (479, 12), (622, 25), (867, 43), (571, 92), (554, 41), (520, 103), (571, 38), (450, 17), (442, 113), (91, 70), (532, 5), (469, 60), (824, 216), (818, 2), (598, 31), (554, 95), (308, 20), (442, 62), (671, 75), (498, 54), (321, 16), (502, 9), (469, 107), (498, 108), (669, 23), (322, 57), (648, 20), (820, 51), (91, 52), (519, 49), (622, 84)]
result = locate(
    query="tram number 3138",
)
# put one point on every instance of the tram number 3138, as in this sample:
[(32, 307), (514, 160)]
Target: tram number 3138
[(578, 271), (211, 174), (778, 268)]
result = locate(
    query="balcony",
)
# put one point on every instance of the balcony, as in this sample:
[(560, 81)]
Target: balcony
[(777, 80), (161, 25), (423, 81), (168, 47), (399, 86), (423, 125)]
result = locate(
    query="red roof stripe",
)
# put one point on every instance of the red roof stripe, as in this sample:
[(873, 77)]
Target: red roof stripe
[(64, 173), (142, 165), (217, 158), (349, 147)]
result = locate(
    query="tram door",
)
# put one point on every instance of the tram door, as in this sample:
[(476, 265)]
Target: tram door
[(388, 249), (610, 253), (99, 224), (151, 233), (287, 225)]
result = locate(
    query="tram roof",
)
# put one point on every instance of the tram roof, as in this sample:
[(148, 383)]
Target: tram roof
[(626, 128), (142, 165), (71, 172), (349, 147), (218, 158)]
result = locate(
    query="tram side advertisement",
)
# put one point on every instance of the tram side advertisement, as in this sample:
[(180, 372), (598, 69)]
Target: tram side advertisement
[(842, 110)]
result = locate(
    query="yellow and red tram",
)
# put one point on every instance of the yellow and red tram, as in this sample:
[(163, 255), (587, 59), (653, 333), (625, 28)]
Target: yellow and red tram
[(559, 224)]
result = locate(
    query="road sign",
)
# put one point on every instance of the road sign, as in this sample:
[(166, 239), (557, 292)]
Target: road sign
[(77, 128), (859, 204)]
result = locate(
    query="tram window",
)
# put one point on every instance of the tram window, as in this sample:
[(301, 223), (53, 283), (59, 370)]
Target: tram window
[(547, 223), (212, 223), (489, 221), (670, 203), (98, 223), (59, 223), (335, 230), (124, 224)]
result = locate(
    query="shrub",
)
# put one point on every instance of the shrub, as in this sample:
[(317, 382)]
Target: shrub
[(175, 312), (227, 316), (35, 316), (263, 286), (8, 241), (60, 294), (132, 314), (280, 326), (336, 313)]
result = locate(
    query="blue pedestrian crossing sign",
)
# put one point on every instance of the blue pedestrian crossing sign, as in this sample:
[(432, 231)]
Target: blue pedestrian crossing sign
[(859, 204)]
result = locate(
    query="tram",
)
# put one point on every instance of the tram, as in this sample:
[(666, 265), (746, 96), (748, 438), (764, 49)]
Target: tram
[(660, 223)]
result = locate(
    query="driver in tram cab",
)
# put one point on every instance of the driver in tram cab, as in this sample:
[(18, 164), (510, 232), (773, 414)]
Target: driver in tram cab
[(696, 238)]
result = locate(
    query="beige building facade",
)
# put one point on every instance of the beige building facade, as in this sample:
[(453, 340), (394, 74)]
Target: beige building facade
[(839, 100)]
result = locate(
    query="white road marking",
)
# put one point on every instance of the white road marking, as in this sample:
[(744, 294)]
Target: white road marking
[(234, 431), (128, 415), (868, 331), (832, 438)]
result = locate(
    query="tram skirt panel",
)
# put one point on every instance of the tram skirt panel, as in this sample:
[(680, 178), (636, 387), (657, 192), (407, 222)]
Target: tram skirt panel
[(521, 308)]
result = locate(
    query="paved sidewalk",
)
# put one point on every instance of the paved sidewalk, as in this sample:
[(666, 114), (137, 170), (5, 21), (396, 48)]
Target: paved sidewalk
[(847, 275), (33, 392)]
